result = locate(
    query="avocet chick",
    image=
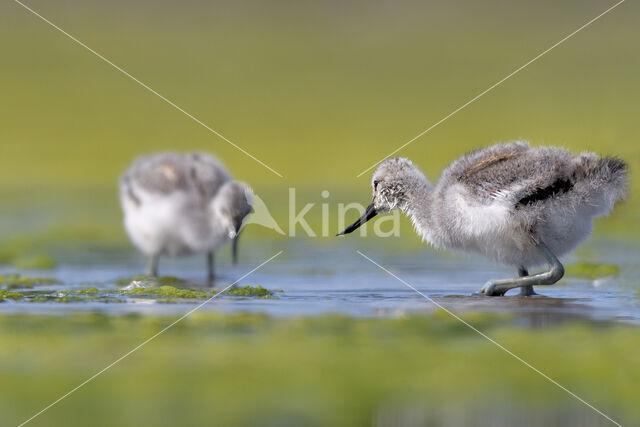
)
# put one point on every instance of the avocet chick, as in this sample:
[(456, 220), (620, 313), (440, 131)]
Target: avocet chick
[(519, 205), (181, 204)]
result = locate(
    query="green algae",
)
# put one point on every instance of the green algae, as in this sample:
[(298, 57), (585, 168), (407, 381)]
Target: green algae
[(91, 294), (9, 295), (166, 292), (16, 281), (250, 291), (161, 281), (86, 291), (75, 295), (592, 270), (57, 298)]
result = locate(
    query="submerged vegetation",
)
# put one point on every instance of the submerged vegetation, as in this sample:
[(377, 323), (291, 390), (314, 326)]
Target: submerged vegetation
[(247, 369), (87, 291), (90, 294), (166, 293), (250, 291), (17, 289), (592, 270), (61, 298), (160, 281), (9, 295)]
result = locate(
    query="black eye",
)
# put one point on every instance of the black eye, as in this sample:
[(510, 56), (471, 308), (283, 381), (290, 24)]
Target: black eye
[(375, 184)]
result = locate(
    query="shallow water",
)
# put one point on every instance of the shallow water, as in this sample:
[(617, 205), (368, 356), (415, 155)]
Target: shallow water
[(319, 278)]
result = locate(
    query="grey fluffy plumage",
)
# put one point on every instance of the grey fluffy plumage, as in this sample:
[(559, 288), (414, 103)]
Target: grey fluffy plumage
[(178, 204), (504, 201), (544, 193), (165, 173)]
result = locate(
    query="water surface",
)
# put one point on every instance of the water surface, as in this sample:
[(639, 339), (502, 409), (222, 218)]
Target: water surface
[(319, 278)]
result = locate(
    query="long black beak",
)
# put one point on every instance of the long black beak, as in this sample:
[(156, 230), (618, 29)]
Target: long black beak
[(234, 242), (234, 250), (369, 213)]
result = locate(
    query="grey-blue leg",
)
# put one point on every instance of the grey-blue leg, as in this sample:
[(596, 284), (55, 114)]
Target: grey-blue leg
[(153, 265), (555, 273), (210, 268), (527, 290)]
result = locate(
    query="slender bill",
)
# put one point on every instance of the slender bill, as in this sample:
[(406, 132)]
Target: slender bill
[(238, 224), (369, 213), (234, 249)]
